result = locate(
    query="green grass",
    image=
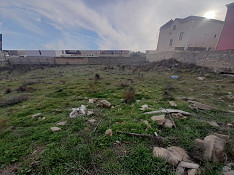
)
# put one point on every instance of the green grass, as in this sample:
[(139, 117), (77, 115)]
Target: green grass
[(82, 148)]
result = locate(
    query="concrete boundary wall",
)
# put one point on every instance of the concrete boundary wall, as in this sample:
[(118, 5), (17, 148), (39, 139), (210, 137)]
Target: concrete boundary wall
[(75, 60), (219, 61)]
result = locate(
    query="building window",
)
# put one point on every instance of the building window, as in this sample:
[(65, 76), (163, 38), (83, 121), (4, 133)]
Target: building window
[(215, 36), (171, 42), (174, 27), (181, 36)]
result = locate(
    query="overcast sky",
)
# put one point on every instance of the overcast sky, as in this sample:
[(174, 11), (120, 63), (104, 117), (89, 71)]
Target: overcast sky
[(94, 24)]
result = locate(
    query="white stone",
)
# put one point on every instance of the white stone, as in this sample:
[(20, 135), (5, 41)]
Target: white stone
[(172, 103), (62, 123), (159, 152), (55, 129), (192, 172), (144, 107), (78, 111), (90, 113), (36, 115)]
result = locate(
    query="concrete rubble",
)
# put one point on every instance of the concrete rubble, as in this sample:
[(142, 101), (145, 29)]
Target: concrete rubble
[(104, 104), (81, 111), (213, 147), (92, 100), (178, 157)]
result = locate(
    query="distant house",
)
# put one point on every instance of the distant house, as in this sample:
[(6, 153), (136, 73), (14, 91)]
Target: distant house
[(226, 41), (0, 41), (191, 33)]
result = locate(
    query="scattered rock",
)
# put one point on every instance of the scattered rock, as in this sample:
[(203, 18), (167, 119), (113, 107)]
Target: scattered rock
[(108, 132), (188, 165), (227, 170), (180, 170), (230, 124), (89, 113), (160, 119), (212, 123), (176, 154), (138, 101), (144, 107), (172, 103), (178, 116), (213, 148), (78, 111), (36, 115), (93, 100), (160, 152), (55, 129), (62, 123), (193, 172), (201, 78), (41, 118), (104, 104), (91, 121), (168, 123), (147, 124), (230, 97), (197, 105)]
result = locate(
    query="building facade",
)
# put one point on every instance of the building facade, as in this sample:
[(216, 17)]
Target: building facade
[(191, 33), (226, 41), (0, 41)]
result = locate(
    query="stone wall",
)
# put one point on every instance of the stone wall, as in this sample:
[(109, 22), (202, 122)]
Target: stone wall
[(75, 60), (219, 61)]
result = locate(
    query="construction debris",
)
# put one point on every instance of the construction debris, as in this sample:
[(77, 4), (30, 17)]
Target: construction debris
[(160, 119), (62, 123)]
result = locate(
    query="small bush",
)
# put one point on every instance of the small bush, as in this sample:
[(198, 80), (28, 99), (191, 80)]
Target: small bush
[(130, 96), (8, 90)]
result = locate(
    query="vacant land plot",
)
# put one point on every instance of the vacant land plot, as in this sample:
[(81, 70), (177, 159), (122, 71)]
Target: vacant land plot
[(34, 100)]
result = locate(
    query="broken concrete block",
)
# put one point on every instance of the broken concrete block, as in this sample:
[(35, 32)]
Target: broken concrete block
[(212, 123), (188, 165), (168, 111), (104, 104), (92, 100), (160, 119), (168, 123)]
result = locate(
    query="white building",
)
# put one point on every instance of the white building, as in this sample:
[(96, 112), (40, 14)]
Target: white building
[(191, 33)]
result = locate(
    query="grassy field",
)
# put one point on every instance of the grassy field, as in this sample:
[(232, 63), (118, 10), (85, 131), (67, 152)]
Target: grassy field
[(28, 146)]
